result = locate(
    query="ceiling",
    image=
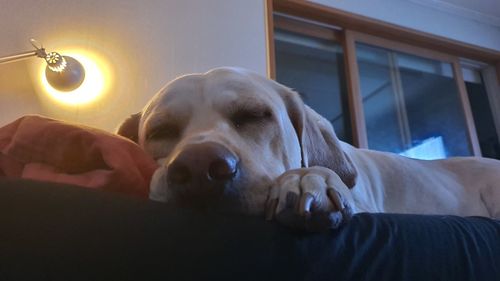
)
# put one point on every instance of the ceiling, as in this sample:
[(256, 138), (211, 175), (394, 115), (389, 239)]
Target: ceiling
[(485, 11)]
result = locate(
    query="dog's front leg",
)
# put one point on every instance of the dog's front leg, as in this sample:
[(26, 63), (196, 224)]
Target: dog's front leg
[(312, 199)]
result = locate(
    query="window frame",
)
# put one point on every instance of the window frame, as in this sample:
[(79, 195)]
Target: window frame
[(350, 29), (392, 45)]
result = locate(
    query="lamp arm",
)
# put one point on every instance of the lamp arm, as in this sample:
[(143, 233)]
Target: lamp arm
[(39, 52), (63, 73)]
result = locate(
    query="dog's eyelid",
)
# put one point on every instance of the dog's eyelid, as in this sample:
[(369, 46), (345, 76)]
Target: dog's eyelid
[(163, 131), (257, 111), (245, 116)]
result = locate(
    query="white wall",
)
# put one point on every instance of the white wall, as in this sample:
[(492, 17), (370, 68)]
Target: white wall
[(146, 44), (410, 14)]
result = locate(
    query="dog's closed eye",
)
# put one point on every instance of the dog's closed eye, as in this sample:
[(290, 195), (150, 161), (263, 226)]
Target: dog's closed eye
[(163, 131), (244, 117)]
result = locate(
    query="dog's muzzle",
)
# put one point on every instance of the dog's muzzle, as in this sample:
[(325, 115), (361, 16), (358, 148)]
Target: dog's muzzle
[(201, 173)]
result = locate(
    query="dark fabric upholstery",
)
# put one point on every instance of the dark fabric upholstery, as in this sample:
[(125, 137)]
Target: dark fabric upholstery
[(56, 232)]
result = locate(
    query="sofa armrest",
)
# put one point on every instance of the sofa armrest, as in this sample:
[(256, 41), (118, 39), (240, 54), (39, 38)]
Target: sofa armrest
[(60, 232)]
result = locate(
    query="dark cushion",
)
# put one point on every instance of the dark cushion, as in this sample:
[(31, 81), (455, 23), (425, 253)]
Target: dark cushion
[(57, 232)]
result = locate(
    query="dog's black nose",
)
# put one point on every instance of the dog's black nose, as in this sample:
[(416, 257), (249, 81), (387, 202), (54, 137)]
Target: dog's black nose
[(202, 170)]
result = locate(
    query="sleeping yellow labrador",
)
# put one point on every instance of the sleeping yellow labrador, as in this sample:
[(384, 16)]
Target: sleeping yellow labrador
[(230, 138)]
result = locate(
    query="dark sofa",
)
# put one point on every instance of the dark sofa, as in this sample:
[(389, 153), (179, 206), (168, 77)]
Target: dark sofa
[(60, 232)]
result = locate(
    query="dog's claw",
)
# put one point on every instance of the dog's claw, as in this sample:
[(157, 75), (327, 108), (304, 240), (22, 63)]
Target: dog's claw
[(306, 201), (271, 208), (334, 198)]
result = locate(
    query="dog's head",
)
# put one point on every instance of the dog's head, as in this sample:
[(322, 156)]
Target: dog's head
[(224, 136)]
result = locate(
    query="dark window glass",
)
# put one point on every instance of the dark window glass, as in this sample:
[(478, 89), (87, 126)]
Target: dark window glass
[(481, 111), (315, 68)]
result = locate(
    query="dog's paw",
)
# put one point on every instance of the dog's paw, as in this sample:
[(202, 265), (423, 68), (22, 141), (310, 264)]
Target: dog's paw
[(311, 199)]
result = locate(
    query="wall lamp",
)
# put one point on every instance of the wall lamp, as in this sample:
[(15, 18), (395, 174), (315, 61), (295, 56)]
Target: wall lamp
[(64, 73)]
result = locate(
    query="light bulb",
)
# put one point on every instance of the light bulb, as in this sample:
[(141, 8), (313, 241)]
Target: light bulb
[(64, 73), (94, 87)]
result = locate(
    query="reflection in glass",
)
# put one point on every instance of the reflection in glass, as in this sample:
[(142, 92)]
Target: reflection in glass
[(315, 68), (411, 105)]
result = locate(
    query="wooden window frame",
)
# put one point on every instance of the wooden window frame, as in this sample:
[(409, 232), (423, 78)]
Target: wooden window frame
[(360, 29), (392, 45)]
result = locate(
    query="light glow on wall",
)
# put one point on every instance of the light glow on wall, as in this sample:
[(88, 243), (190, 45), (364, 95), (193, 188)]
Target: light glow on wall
[(96, 84)]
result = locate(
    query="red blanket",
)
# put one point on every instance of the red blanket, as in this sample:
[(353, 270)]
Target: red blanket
[(39, 148)]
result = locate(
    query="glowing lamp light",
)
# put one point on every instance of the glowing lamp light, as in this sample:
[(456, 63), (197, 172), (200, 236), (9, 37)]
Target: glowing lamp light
[(73, 79), (90, 88)]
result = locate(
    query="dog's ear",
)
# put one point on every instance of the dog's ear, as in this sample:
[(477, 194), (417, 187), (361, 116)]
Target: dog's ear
[(318, 141), (130, 127)]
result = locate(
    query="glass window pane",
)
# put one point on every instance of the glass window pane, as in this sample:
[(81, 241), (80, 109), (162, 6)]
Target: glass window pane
[(481, 110), (315, 68), (411, 105), (379, 103)]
